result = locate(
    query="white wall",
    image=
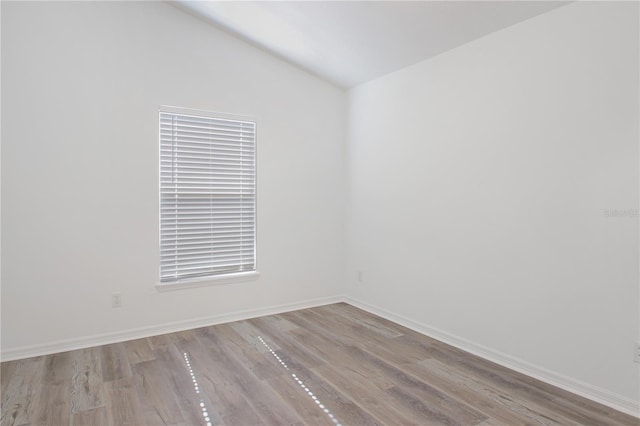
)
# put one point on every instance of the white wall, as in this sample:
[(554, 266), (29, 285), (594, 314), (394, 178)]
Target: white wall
[(478, 184), (82, 83)]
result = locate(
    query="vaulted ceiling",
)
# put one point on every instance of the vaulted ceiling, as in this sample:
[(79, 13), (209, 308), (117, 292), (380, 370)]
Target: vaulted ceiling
[(351, 42)]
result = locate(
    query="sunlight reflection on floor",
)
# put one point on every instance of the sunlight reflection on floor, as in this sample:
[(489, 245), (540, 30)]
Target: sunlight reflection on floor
[(302, 385), (205, 412)]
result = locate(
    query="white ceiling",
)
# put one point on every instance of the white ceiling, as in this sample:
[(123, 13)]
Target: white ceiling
[(351, 42)]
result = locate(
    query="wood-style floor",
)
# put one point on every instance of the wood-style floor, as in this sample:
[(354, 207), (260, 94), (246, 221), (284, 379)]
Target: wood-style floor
[(329, 365)]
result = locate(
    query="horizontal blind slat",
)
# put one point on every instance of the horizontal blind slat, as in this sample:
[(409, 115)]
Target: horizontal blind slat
[(207, 196)]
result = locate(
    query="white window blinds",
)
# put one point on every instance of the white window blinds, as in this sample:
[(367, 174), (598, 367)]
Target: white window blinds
[(207, 196)]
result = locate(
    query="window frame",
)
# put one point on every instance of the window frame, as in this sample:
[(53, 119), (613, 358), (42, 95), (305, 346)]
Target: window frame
[(216, 279)]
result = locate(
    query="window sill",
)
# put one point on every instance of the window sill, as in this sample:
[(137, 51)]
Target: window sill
[(208, 281)]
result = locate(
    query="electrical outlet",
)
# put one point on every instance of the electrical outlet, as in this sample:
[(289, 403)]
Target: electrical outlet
[(116, 300), (359, 276), (636, 353)]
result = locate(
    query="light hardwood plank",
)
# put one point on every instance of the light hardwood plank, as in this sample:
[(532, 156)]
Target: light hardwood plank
[(93, 417), (299, 400), (57, 368), (372, 399), (286, 344), (139, 351), (485, 398), (251, 334), (86, 380), (158, 400), (321, 366), (343, 407), (123, 403), (114, 362), (356, 319), (258, 361), (53, 407), (179, 373), (22, 396)]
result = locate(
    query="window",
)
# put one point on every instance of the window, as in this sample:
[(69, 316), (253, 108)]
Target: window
[(207, 196)]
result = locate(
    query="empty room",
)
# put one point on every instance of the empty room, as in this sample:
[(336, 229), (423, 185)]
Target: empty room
[(320, 213)]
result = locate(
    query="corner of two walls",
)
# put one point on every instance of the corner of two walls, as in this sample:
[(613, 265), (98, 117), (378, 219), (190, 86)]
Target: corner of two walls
[(477, 185), (493, 198)]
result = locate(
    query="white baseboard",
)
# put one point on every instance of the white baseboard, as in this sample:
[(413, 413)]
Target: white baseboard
[(154, 330), (594, 393)]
